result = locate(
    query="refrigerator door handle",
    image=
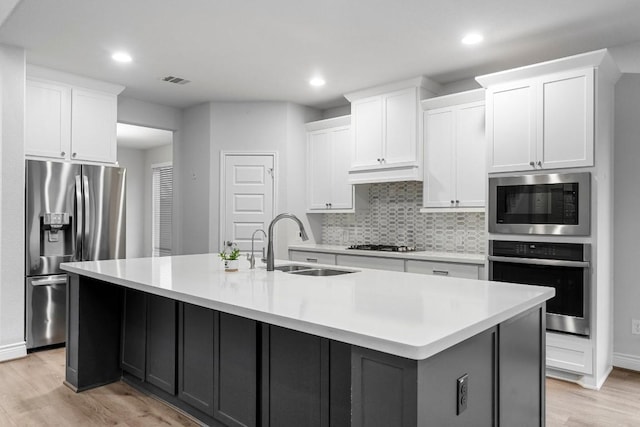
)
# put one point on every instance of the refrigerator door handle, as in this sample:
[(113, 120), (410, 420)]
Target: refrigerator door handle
[(85, 184), (79, 219), (51, 280)]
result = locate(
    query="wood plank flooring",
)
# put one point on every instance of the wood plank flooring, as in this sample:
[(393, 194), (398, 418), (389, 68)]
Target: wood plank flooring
[(32, 394)]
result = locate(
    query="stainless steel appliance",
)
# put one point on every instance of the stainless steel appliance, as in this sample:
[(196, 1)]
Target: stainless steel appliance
[(562, 266), (540, 204), (73, 213)]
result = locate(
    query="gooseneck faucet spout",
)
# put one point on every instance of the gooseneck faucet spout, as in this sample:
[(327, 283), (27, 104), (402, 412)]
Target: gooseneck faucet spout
[(303, 235)]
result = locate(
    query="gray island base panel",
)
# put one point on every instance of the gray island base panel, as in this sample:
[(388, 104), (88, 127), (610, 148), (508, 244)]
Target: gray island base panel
[(229, 370)]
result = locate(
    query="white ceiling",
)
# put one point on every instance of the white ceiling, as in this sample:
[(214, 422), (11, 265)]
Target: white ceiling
[(142, 138), (238, 50)]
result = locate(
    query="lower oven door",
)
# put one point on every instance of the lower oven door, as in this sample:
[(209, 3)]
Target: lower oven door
[(568, 311)]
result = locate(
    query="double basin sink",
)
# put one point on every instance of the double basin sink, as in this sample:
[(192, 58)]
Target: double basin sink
[(306, 270)]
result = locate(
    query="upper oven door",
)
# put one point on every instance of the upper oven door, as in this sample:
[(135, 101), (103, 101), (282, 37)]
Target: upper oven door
[(540, 204)]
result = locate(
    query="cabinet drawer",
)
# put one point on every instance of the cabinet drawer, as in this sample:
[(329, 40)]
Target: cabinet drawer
[(466, 271), (376, 263), (307, 256), (569, 354)]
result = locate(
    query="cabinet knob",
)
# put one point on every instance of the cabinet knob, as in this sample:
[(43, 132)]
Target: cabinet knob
[(379, 160), (532, 164), (539, 163), (74, 155), (383, 160), (451, 201), (63, 154), (457, 202)]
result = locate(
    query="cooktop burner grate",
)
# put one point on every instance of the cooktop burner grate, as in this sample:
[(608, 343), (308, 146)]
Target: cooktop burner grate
[(387, 248)]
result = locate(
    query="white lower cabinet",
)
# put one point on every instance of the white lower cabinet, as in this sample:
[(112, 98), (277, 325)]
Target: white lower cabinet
[(376, 263), (465, 271), (569, 353), (315, 257)]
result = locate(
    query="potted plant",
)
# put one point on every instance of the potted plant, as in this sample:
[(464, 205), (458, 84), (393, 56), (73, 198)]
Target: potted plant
[(230, 255)]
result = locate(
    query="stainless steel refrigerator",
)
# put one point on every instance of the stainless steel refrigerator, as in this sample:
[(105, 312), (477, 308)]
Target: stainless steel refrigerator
[(73, 213)]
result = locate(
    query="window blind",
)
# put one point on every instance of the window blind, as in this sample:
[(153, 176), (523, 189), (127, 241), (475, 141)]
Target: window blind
[(161, 212)]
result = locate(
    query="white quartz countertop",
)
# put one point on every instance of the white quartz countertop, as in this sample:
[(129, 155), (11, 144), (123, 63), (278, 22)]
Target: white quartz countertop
[(464, 258), (406, 314)]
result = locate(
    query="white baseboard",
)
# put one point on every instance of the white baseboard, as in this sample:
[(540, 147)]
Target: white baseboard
[(626, 361), (13, 351)]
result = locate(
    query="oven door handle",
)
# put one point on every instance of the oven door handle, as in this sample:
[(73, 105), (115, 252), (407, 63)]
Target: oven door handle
[(537, 261)]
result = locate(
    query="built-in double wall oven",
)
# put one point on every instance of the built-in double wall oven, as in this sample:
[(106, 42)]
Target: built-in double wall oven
[(525, 208)]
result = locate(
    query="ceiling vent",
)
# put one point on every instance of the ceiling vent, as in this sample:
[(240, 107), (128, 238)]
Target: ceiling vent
[(176, 80)]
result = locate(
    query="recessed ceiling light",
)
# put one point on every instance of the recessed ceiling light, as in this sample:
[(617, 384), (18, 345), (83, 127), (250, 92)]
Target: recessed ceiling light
[(121, 57), (472, 38), (317, 81)]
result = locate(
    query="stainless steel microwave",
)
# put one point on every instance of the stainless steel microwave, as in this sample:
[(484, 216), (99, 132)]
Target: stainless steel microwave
[(557, 204)]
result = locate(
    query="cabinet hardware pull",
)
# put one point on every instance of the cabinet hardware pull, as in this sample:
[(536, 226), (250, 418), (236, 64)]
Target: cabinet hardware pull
[(62, 154), (379, 160), (74, 154), (312, 259), (532, 164), (539, 163), (441, 272), (451, 201)]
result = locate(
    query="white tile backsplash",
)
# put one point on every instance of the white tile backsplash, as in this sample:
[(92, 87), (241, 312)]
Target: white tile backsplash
[(394, 218)]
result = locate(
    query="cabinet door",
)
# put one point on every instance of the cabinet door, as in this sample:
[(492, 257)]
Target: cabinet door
[(236, 370), (566, 129), (341, 190), (195, 360), (319, 163), (511, 130), (470, 171), (93, 126), (134, 333), (366, 117), (400, 127), (297, 379), (438, 158), (47, 120), (161, 343)]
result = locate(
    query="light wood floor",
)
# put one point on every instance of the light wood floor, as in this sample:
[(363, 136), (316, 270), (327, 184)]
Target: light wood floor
[(32, 394)]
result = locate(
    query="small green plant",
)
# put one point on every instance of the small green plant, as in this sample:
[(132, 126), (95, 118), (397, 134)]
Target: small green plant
[(230, 252)]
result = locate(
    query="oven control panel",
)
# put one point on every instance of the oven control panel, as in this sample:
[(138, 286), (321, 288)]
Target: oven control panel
[(540, 250)]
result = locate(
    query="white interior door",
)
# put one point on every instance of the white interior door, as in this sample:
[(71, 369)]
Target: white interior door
[(247, 196)]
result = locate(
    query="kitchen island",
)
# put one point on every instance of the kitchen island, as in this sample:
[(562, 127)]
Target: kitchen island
[(367, 348)]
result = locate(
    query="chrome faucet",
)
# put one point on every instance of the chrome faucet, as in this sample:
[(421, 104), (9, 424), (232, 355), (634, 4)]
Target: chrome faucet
[(251, 257), (303, 235)]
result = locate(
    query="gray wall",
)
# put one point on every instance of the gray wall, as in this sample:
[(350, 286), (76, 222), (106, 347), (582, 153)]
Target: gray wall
[(139, 194), (211, 128), (133, 160), (626, 221), (12, 83)]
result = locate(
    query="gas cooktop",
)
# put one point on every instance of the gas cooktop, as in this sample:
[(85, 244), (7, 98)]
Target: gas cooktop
[(387, 248)]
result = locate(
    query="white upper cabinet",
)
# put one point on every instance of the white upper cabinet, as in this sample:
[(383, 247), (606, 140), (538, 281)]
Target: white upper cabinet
[(454, 153), (542, 123), (543, 116), (387, 142), (66, 121), (329, 148), (47, 120)]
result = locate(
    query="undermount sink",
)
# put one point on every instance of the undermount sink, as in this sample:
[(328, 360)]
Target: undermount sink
[(290, 268), (321, 272), (305, 270)]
